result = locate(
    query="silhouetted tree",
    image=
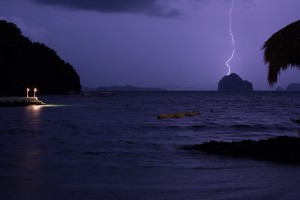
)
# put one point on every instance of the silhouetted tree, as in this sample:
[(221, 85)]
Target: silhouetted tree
[(282, 50)]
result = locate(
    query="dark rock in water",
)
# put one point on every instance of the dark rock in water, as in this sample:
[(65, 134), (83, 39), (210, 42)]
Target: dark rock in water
[(233, 82), (282, 149), (293, 87)]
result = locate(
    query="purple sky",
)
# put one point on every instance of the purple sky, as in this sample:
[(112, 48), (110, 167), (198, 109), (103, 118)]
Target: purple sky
[(175, 44)]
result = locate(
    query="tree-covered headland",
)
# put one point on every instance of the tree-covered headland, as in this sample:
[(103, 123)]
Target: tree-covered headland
[(27, 64)]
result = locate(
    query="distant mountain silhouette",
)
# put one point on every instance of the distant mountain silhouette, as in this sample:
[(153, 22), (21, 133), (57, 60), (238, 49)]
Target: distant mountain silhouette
[(128, 88), (233, 82), (293, 87), (26, 64)]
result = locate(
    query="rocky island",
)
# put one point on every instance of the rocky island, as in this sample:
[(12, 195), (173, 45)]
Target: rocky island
[(234, 83), (26, 64)]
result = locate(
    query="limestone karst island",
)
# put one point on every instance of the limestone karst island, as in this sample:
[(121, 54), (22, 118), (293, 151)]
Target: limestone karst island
[(233, 82)]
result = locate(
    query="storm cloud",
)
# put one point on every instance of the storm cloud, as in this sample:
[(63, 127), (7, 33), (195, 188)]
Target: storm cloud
[(158, 8)]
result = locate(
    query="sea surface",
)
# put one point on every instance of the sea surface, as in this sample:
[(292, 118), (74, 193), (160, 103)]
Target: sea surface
[(116, 148)]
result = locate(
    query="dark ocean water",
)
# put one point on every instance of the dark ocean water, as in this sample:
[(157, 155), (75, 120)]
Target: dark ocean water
[(116, 148)]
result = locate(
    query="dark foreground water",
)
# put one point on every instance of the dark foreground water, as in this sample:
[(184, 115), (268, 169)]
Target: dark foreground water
[(115, 148)]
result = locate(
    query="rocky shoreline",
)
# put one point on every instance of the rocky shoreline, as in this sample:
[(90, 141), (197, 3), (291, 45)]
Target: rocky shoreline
[(282, 149)]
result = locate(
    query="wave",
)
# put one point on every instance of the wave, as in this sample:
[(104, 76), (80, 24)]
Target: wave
[(217, 168), (223, 127), (249, 127)]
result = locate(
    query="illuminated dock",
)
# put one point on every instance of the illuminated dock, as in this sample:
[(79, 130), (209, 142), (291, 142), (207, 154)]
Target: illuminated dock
[(19, 101)]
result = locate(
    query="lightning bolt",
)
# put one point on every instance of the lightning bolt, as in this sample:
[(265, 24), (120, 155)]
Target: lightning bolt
[(232, 37)]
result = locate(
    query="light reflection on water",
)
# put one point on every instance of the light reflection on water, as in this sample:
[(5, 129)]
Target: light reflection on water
[(33, 117), (21, 149)]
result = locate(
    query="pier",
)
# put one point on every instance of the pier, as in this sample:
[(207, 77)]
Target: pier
[(19, 101)]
